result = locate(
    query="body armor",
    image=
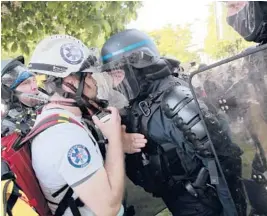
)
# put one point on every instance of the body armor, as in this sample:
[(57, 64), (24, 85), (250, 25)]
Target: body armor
[(170, 114)]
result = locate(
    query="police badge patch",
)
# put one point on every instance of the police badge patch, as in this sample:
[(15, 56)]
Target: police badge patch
[(71, 53), (79, 156)]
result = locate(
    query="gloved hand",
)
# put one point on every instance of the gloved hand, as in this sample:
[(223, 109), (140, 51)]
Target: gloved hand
[(226, 103)]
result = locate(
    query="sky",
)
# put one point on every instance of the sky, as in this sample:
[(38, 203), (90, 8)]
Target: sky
[(156, 13)]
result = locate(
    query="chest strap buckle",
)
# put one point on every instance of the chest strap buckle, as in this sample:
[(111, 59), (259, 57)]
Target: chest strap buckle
[(144, 107)]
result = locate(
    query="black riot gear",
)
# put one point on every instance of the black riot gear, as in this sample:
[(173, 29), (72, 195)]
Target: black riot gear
[(178, 156)]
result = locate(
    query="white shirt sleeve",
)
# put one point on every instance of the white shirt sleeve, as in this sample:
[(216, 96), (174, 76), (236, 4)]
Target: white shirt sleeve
[(80, 157)]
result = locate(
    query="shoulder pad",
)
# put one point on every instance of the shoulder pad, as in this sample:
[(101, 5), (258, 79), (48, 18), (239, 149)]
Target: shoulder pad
[(174, 99), (178, 104)]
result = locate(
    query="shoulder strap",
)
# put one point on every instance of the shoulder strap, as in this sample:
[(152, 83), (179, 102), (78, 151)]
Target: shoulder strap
[(67, 200), (148, 106), (47, 123)]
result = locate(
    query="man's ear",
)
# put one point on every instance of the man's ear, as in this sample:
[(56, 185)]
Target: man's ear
[(117, 76)]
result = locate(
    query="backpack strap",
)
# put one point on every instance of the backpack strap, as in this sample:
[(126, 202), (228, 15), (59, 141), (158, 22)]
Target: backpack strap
[(67, 200), (47, 123)]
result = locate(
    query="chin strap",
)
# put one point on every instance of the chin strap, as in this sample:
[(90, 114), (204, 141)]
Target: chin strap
[(88, 106), (79, 93)]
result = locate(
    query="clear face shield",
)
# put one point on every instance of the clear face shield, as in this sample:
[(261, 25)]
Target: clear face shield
[(126, 73), (19, 80), (15, 76), (123, 78), (105, 90)]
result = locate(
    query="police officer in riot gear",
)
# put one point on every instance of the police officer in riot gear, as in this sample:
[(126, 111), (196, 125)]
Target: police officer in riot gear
[(19, 111), (176, 164)]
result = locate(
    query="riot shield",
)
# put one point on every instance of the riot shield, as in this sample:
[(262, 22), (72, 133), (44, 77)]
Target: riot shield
[(232, 93)]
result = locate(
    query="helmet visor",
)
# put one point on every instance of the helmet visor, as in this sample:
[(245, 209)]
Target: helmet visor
[(105, 91), (124, 78), (15, 76)]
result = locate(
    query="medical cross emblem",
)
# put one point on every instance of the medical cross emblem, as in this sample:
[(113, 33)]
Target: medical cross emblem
[(71, 53), (79, 156)]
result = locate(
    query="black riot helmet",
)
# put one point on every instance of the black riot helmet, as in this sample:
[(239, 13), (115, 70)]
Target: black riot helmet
[(132, 59), (249, 19)]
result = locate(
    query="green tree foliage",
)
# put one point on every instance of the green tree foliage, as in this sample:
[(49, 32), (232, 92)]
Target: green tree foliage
[(26, 23), (230, 43), (175, 41)]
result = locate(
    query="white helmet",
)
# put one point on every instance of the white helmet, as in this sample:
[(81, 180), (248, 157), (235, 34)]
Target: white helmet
[(61, 55)]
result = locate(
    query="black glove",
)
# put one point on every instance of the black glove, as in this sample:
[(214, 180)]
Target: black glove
[(226, 103)]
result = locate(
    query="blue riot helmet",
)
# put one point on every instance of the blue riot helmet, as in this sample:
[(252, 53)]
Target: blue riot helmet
[(13, 73), (130, 56)]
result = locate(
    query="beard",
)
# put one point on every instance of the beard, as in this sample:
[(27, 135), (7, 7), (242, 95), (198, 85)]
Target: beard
[(105, 91)]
